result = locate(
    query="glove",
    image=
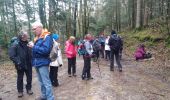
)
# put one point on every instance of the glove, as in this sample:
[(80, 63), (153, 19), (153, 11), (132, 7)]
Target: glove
[(60, 65)]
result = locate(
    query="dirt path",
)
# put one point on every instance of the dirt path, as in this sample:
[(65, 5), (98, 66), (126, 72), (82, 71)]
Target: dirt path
[(134, 83)]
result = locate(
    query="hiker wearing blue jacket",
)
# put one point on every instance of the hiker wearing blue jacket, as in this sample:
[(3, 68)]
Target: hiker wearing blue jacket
[(40, 59), (102, 42)]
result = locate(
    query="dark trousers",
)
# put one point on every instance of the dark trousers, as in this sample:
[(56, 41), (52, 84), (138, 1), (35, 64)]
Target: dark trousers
[(54, 75), (72, 65), (20, 76), (107, 54), (87, 66), (97, 53), (102, 51), (116, 53)]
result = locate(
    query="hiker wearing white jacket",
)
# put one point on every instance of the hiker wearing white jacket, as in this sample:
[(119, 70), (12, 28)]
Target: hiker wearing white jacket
[(56, 63)]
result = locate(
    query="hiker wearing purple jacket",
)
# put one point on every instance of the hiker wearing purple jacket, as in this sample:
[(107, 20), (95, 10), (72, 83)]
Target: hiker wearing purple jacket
[(140, 52)]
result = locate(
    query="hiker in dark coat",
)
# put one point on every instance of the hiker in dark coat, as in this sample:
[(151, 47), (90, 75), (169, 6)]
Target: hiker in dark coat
[(115, 44), (20, 54)]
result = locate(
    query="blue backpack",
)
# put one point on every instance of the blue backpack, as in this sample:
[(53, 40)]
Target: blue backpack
[(82, 49)]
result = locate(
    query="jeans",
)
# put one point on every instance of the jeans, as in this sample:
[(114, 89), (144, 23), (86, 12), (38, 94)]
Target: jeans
[(45, 83), (20, 76), (72, 65)]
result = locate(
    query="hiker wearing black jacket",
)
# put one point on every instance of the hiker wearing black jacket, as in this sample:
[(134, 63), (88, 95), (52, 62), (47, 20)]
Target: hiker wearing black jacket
[(115, 44), (20, 54)]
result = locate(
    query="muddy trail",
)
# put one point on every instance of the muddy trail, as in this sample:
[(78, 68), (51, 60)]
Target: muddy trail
[(134, 83)]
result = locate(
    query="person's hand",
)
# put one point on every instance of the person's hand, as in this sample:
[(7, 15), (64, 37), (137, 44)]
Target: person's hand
[(30, 44)]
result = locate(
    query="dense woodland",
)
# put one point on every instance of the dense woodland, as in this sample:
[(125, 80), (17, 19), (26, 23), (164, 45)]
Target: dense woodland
[(79, 17)]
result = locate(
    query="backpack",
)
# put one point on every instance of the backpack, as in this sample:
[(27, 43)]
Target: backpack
[(82, 49), (96, 45), (14, 41), (54, 52), (115, 42), (53, 49)]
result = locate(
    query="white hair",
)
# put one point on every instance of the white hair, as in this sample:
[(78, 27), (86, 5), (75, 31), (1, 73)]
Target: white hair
[(37, 24)]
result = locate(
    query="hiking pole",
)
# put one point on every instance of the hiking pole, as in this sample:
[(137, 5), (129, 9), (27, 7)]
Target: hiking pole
[(99, 67)]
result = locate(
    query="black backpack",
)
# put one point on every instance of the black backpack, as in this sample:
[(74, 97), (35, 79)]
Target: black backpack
[(115, 42)]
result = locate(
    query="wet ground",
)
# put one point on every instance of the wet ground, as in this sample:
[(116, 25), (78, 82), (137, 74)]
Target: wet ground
[(134, 83)]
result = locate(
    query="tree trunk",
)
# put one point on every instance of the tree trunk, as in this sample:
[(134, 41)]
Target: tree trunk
[(75, 17), (42, 12), (52, 12), (85, 31), (133, 13), (146, 13), (168, 8), (14, 18), (28, 17), (138, 16), (119, 16)]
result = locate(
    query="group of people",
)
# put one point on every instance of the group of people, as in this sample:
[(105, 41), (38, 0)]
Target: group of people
[(26, 54)]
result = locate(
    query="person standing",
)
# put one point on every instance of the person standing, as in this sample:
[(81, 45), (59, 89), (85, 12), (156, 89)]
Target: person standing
[(87, 58), (102, 42), (20, 54), (107, 48), (115, 45), (71, 51), (41, 50), (58, 62)]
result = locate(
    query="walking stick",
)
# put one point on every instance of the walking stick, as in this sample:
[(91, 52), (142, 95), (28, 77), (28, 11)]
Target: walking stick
[(99, 67)]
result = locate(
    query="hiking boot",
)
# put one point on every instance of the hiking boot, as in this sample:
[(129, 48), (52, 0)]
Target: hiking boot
[(111, 69), (74, 75), (40, 98), (90, 78), (69, 75), (55, 84), (120, 70), (20, 94), (29, 92), (83, 77)]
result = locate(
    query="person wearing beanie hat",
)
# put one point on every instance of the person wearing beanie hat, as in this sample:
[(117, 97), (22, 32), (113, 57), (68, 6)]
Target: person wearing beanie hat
[(58, 62), (55, 36), (115, 44)]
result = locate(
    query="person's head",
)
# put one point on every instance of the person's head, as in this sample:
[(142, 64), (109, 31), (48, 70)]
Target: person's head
[(142, 46), (23, 36), (108, 36), (113, 32), (55, 36), (88, 37), (37, 28), (72, 39)]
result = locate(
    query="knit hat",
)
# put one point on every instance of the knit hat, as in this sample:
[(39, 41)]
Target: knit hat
[(113, 32), (55, 36)]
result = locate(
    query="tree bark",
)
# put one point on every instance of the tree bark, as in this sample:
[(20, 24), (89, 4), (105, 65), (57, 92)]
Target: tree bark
[(14, 18), (75, 17), (28, 17), (42, 12), (138, 16), (85, 31)]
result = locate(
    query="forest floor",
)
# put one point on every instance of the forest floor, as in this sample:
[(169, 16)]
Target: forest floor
[(138, 81)]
